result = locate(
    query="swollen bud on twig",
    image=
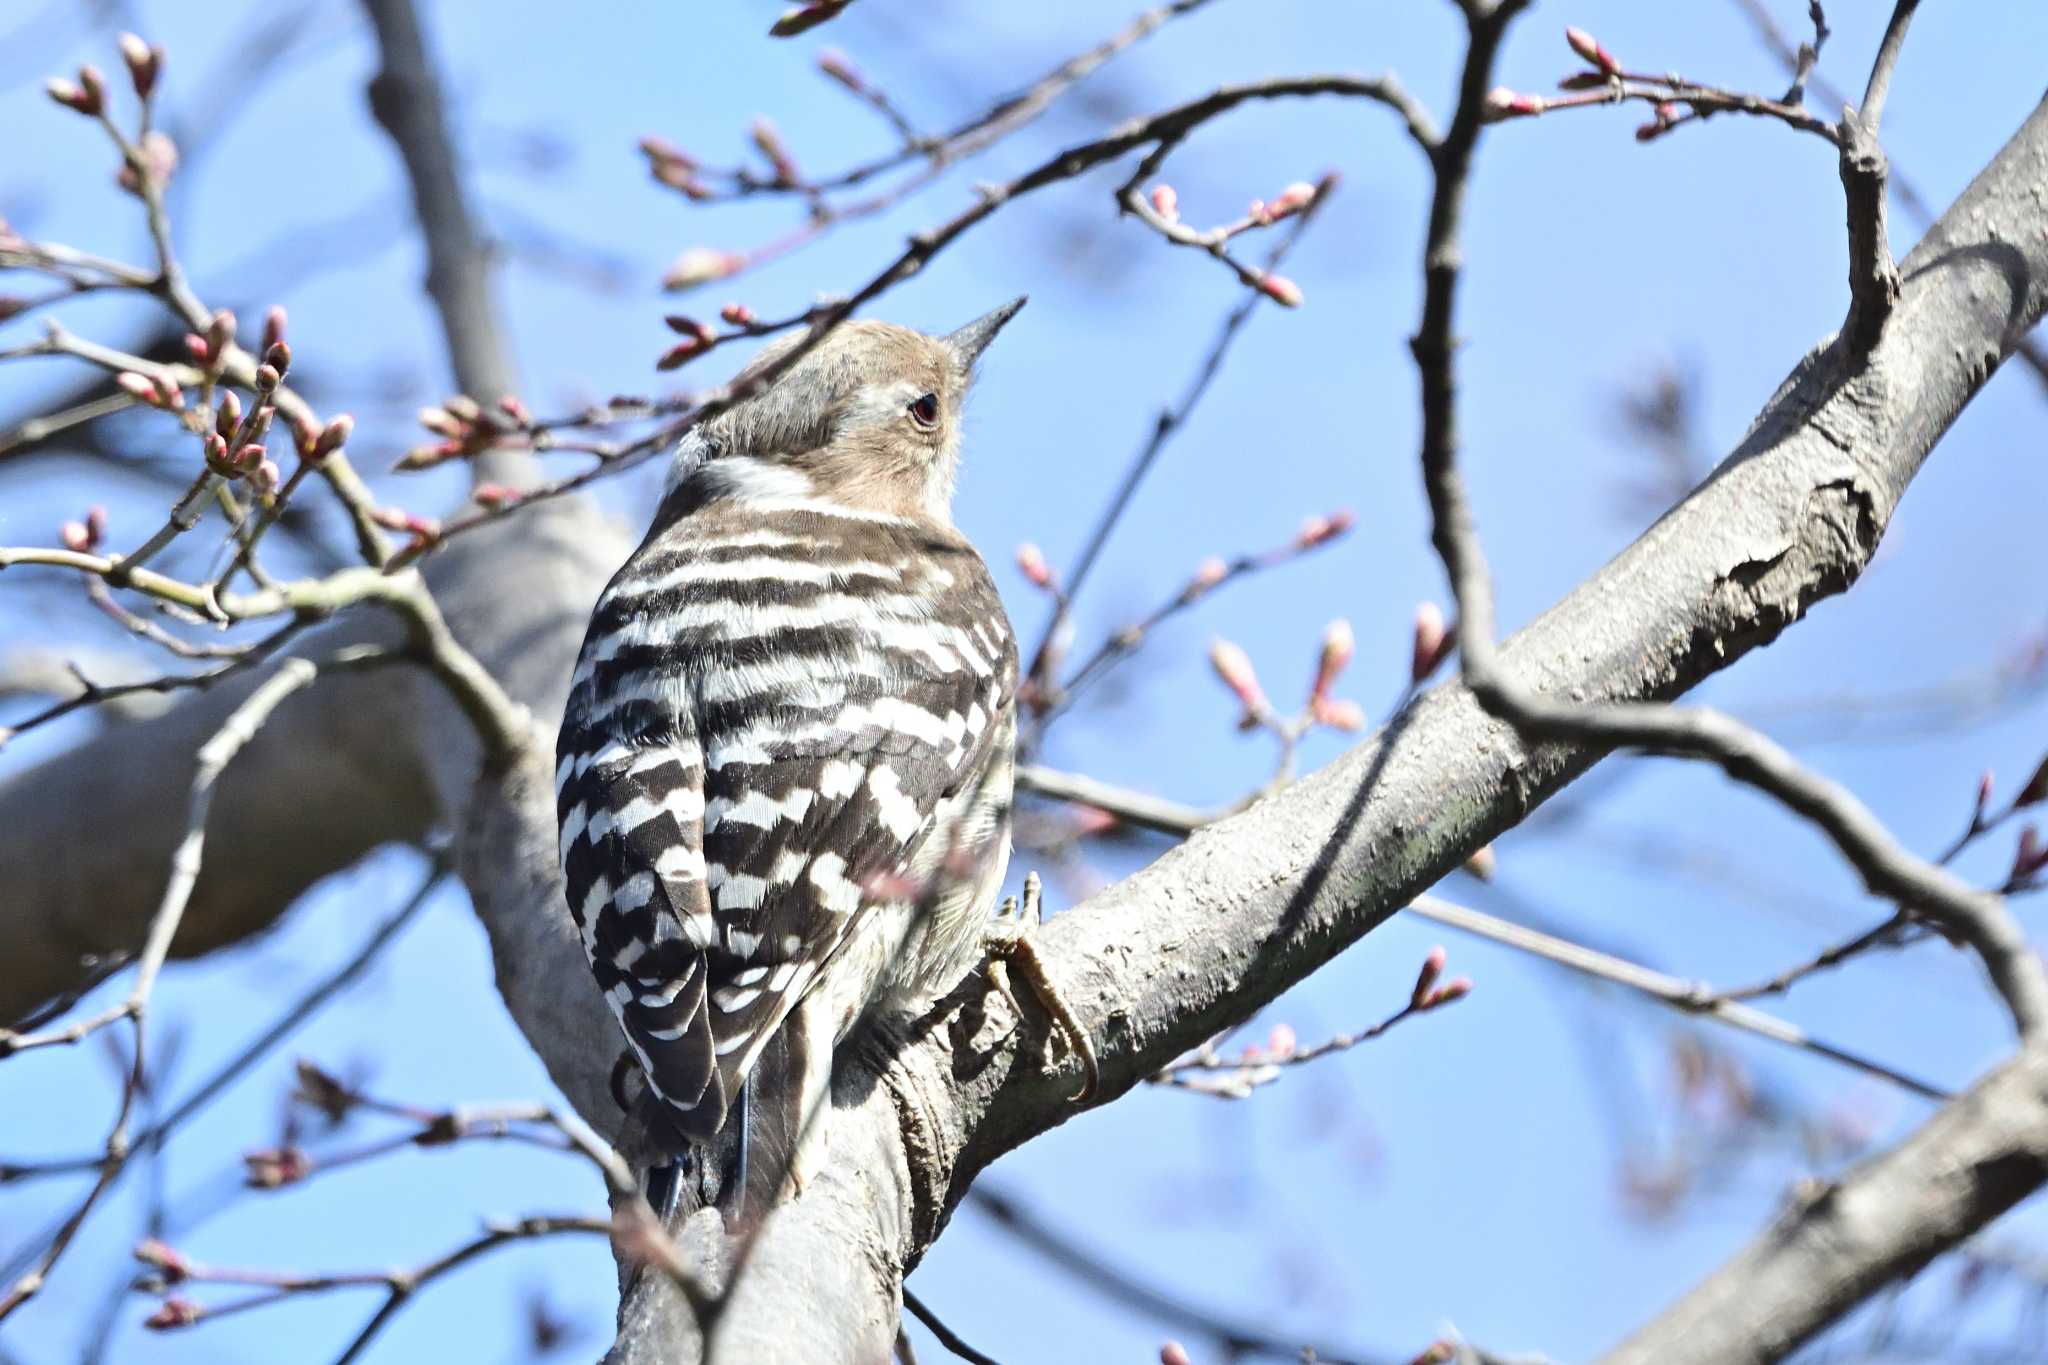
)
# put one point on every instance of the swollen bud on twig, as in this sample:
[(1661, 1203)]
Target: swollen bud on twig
[(1432, 641), (153, 1252), (94, 86), (1587, 47), (143, 62), (1503, 103), (684, 325), (738, 314), (332, 437), (69, 95), (172, 1313), (1281, 290), (495, 495), (1339, 645), (159, 156), (1234, 667), (2029, 857), (267, 378), (1031, 562), (1173, 1353), (806, 17), (85, 536), (278, 356), (701, 265), (1317, 530), (768, 141), (1425, 980), (273, 326), (1286, 204), (229, 415), (1166, 203), (835, 64), (1483, 863)]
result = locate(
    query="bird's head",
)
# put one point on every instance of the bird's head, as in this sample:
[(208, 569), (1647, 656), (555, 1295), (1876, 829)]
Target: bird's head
[(867, 419)]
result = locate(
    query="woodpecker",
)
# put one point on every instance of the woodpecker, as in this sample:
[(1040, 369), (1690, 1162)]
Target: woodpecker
[(784, 772)]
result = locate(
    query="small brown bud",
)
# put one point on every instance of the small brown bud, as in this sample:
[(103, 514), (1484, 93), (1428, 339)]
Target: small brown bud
[(805, 17), (12, 305), (143, 62), (278, 356), (676, 355), (1457, 988), (173, 1313), (2029, 857), (155, 1252), (659, 149), (267, 378), (1483, 863), (229, 414), (2036, 790)]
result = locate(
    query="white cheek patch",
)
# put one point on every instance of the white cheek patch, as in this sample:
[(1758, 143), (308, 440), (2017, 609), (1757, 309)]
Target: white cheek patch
[(748, 480), (881, 404)]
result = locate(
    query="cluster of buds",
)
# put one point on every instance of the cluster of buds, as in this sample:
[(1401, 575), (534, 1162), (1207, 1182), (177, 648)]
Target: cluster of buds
[(272, 1168), (1428, 994), (85, 536), (701, 265), (670, 165), (466, 429), (767, 139), (1287, 203), (157, 390), (326, 441), (805, 17)]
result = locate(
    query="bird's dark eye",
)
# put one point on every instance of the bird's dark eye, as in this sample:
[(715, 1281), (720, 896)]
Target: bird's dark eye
[(925, 411)]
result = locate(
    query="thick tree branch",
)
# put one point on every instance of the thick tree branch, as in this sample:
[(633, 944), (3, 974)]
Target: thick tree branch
[(1221, 925)]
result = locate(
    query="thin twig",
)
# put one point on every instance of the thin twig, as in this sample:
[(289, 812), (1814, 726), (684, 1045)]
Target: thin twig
[(948, 1338)]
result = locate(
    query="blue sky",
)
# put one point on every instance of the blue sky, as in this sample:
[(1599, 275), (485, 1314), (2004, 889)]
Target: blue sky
[(1464, 1170)]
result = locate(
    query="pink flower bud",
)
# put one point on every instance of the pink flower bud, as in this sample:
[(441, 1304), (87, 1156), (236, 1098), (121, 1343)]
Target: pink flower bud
[(69, 95), (265, 476), (196, 349), (1173, 1353), (220, 332), (332, 437), (1234, 667), (267, 378), (138, 386), (1339, 645), (511, 406), (675, 356), (96, 523), (271, 1168), (229, 414), (701, 265), (691, 327), (1432, 641), (1208, 574), (75, 536), (154, 1252), (215, 448), (2030, 857), (143, 63), (738, 314), (1503, 103), (274, 323), (1290, 201), (1585, 45), (94, 85), (1425, 980), (835, 64), (1032, 563), (173, 1313), (495, 495), (1344, 715), (1281, 290), (659, 150), (1457, 988), (768, 141), (1086, 822), (159, 162), (1166, 203), (1281, 1042), (1319, 530)]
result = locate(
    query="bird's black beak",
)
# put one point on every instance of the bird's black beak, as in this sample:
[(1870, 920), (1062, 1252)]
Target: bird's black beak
[(970, 341)]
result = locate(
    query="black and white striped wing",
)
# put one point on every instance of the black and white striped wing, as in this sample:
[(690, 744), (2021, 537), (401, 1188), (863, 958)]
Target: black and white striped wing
[(819, 718)]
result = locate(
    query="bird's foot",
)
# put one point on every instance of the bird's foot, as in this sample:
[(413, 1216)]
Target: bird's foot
[(1009, 944)]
